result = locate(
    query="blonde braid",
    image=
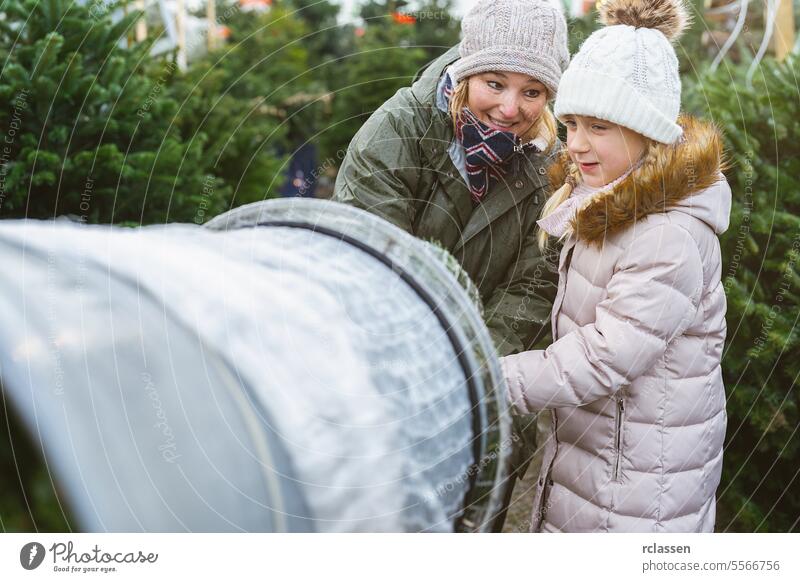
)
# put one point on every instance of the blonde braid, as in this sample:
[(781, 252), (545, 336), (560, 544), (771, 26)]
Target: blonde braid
[(556, 199)]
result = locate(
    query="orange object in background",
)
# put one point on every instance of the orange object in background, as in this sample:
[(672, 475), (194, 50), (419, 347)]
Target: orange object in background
[(402, 18)]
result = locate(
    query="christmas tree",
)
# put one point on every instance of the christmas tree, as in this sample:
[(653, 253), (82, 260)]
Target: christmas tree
[(761, 277), (87, 124)]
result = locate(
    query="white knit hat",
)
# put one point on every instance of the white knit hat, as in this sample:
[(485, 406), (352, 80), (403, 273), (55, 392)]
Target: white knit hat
[(520, 36), (627, 73)]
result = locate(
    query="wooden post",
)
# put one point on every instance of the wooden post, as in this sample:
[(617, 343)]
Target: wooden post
[(141, 25), (211, 15), (784, 29)]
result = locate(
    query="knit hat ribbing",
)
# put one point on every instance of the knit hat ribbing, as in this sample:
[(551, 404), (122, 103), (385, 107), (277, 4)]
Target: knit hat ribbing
[(627, 72), (519, 36)]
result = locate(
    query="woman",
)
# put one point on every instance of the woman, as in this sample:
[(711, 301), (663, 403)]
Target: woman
[(460, 158)]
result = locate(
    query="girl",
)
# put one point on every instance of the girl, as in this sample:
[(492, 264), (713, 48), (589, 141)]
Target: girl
[(633, 379), (460, 158)]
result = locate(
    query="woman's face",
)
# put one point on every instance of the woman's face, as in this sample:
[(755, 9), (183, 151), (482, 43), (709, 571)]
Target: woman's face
[(602, 150), (506, 101)]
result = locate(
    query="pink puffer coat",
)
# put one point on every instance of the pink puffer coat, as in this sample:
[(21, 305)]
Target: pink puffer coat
[(633, 378)]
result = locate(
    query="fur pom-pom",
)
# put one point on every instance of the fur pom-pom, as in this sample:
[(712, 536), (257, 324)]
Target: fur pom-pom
[(668, 16)]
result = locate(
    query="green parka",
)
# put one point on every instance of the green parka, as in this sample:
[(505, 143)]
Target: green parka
[(398, 167)]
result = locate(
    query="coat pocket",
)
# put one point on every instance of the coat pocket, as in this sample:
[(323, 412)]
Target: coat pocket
[(619, 441), (438, 217)]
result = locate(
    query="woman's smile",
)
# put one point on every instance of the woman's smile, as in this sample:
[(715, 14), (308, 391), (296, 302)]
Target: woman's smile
[(501, 125)]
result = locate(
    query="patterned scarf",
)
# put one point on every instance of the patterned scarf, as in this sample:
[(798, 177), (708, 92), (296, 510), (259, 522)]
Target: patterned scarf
[(488, 151)]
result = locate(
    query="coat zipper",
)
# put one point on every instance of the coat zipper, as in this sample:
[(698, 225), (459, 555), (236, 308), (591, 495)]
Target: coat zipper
[(618, 438), (541, 509)]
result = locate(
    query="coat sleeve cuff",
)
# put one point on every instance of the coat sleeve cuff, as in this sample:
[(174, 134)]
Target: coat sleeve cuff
[(515, 394)]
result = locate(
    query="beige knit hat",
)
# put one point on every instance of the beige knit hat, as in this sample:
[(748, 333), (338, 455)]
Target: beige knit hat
[(520, 36)]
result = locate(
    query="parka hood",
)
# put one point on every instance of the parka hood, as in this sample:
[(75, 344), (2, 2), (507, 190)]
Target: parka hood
[(686, 177)]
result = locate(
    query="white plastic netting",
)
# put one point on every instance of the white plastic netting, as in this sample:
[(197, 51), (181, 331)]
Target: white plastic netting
[(361, 383)]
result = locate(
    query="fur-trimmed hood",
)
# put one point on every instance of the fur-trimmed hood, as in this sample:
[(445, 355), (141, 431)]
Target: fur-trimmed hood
[(686, 177)]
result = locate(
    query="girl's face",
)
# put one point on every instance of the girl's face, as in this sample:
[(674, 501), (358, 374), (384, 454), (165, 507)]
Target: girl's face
[(602, 150), (506, 101)]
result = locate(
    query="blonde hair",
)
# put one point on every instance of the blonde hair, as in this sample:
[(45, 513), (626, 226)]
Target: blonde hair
[(555, 200), (545, 126)]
